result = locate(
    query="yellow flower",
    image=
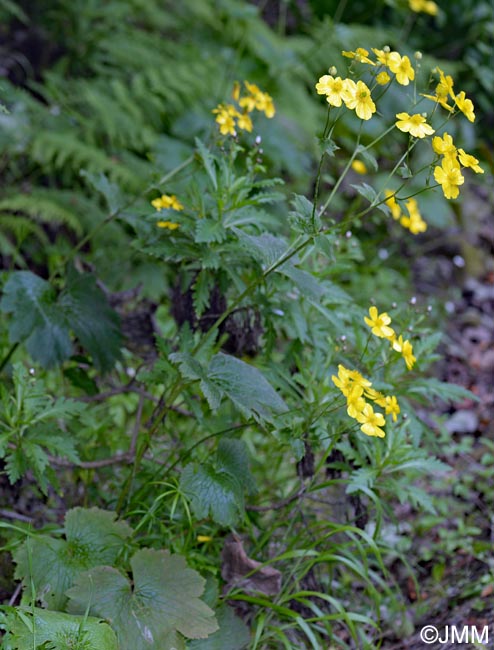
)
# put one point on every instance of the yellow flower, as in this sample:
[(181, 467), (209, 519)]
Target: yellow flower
[(407, 353), (392, 204), (449, 177), (167, 202), (359, 379), (375, 396), (335, 89), (256, 99), (392, 407), (359, 167), (225, 115), (426, 6), (466, 106), (355, 402), (406, 349), (168, 224), (236, 91), (371, 422), (414, 221), (244, 122), (361, 55), (444, 146), (379, 324), (361, 101), (401, 67), (204, 538), (470, 161), (343, 381), (383, 78), (415, 124), (382, 56)]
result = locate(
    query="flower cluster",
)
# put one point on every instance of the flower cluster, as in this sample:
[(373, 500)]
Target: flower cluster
[(445, 93), (167, 202), (448, 174), (380, 327), (355, 95), (230, 117), (356, 389), (413, 220), (399, 65)]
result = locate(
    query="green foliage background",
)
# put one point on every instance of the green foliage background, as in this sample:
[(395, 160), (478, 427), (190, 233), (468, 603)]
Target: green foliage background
[(134, 403)]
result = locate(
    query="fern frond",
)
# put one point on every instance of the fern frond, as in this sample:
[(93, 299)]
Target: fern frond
[(60, 149), (41, 209), (21, 227)]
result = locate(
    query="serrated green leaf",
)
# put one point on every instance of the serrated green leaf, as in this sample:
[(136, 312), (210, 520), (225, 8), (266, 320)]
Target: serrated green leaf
[(110, 191), (246, 386), (208, 162), (367, 156), (217, 489), (43, 320), (190, 368), (432, 387), (93, 537), (367, 192), (89, 315), (36, 319), (208, 231), (201, 290), (151, 613), (32, 628), (212, 492), (265, 248), (232, 635), (303, 217), (232, 456)]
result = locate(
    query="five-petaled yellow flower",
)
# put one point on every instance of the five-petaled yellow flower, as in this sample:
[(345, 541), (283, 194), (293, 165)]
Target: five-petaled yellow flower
[(361, 101), (449, 176), (401, 67), (335, 89), (415, 124), (371, 421), (379, 324)]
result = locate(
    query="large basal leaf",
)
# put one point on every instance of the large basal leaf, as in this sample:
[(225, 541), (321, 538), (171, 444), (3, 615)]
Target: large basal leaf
[(36, 318), (93, 537), (246, 386), (153, 612), (31, 629), (232, 635)]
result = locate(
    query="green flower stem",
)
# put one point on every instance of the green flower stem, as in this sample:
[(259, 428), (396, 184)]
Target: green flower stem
[(344, 172)]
